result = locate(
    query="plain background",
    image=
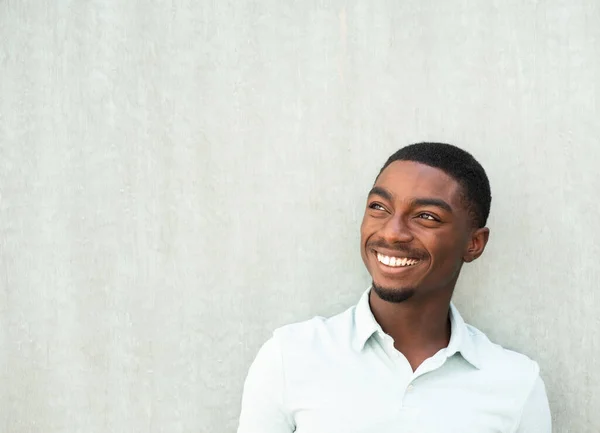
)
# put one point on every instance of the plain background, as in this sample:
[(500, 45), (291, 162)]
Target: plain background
[(179, 178)]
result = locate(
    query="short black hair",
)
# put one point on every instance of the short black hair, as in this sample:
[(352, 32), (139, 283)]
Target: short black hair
[(458, 164)]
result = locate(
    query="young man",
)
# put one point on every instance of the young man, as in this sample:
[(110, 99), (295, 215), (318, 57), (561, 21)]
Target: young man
[(402, 359)]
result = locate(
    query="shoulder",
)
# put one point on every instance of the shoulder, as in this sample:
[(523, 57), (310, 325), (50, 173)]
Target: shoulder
[(317, 334), (508, 368), (515, 380), (496, 356), (317, 327)]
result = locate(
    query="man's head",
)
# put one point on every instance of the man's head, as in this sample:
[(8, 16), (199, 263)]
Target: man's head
[(425, 217)]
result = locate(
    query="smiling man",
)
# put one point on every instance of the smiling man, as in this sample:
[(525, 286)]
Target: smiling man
[(402, 359)]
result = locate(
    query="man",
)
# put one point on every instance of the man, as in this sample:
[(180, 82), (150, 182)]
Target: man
[(402, 359)]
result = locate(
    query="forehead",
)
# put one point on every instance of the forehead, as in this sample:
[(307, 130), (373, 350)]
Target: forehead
[(409, 179)]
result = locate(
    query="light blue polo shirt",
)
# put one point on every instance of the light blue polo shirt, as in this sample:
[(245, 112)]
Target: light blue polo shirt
[(343, 375)]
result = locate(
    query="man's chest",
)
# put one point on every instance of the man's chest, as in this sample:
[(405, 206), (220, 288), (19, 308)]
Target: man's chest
[(371, 398)]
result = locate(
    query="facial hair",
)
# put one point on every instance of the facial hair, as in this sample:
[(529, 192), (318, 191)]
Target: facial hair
[(393, 295)]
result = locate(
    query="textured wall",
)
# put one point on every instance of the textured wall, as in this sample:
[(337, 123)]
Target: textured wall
[(179, 178)]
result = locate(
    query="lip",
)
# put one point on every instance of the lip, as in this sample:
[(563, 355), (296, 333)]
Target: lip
[(393, 254), (393, 270)]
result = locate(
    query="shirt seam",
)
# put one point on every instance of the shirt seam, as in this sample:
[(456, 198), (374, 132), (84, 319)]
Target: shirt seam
[(517, 423), (284, 399)]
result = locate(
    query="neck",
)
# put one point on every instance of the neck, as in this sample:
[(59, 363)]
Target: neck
[(420, 328)]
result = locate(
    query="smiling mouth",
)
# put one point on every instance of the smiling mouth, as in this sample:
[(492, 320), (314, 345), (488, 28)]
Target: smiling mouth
[(396, 262)]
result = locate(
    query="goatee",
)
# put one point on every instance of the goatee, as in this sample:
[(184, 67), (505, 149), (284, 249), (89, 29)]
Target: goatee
[(396, 295)]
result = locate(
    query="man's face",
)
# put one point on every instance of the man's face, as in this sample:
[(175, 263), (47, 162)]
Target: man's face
[(416, 231)]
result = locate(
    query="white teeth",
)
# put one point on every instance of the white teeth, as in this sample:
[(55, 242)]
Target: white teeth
[(396, 261)]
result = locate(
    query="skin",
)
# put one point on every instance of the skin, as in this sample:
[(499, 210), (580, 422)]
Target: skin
[(419, 212)]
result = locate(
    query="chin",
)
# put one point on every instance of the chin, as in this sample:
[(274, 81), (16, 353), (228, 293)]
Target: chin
[(395, 295)]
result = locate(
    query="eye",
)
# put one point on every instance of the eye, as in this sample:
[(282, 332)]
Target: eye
[(376, 206), (427, 216)]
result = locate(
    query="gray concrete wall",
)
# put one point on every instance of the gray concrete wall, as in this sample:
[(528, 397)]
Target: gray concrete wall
[(179, 178)]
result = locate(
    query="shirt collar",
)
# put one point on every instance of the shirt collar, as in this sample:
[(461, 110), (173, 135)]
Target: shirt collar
[(365, 324), (461, 339)]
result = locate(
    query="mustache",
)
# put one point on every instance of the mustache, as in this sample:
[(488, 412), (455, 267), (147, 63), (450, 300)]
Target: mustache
[(402, 250)]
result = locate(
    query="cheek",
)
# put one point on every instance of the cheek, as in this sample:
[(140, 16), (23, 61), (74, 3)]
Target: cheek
[(446, 251), (365, 231), (363, 240)]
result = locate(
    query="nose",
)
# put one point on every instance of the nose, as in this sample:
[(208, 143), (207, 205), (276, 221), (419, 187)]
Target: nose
[(396, 230)]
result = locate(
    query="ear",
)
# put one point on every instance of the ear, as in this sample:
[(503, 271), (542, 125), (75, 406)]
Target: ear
[(477, 243)]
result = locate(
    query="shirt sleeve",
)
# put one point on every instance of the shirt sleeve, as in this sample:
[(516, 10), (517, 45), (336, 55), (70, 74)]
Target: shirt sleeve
[(263, 403), (536, 412)]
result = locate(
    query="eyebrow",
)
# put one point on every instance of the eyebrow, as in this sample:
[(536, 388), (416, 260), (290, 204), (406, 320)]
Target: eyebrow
[(420, 201), (432, 202), (382, 192)]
